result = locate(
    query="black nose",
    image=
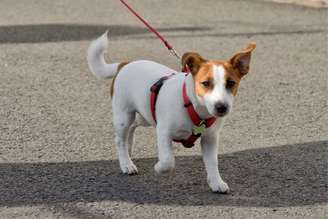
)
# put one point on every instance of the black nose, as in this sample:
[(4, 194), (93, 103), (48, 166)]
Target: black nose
[(221, 108)]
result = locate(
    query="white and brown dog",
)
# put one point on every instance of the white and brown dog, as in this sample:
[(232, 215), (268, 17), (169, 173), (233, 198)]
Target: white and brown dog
[(210, 87)]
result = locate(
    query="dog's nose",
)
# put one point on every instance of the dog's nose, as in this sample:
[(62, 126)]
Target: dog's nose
[(221, 108)]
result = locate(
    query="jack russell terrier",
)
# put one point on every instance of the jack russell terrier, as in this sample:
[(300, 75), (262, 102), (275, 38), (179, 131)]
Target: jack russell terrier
[(182, 107)]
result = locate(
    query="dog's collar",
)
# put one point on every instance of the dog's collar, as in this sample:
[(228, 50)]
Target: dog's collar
[(200, 125)]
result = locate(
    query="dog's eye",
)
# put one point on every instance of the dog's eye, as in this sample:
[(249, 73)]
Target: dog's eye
[(206, 83), (230, 84)]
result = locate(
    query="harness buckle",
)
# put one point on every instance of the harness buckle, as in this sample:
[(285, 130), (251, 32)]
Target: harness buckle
[(199, 129)]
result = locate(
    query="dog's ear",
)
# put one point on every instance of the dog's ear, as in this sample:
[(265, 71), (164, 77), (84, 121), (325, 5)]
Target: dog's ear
[(241, 60), (192, 61)]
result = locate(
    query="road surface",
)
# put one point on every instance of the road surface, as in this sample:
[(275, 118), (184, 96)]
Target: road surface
[(57, 153)]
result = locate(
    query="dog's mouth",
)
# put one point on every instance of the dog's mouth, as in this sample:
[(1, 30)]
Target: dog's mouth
[(220, 114)]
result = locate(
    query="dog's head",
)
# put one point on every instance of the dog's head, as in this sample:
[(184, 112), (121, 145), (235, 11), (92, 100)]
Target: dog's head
[(216, 82)]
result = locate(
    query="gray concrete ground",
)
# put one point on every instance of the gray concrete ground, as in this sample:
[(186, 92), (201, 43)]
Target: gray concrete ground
[(57, 154)]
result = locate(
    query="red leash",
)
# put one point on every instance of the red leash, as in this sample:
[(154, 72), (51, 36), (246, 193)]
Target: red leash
[(166, 43)]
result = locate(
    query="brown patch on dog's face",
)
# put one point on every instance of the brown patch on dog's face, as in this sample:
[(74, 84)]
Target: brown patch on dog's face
[(236, 68), (201, 71), (204, 80), (232, 78)]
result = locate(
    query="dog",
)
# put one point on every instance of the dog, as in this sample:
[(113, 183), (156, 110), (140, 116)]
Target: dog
[(210, 88)]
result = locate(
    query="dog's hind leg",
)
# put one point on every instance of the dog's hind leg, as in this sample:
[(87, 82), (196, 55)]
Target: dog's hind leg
[(122, 123), (131, 137), (139, 121)]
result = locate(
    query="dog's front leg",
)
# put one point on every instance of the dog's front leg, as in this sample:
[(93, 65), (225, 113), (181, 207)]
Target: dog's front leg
[(209, 145), (166, 161)]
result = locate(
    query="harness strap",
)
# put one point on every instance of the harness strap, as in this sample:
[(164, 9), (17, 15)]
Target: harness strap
[(154, 93), (190, 141)]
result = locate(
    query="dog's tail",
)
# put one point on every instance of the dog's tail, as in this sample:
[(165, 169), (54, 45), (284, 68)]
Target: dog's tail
[(96, 60)]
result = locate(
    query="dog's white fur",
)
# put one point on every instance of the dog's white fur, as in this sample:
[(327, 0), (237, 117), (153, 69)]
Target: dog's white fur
[(131, 108)]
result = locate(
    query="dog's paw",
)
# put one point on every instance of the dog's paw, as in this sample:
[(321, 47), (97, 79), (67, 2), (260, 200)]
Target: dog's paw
[(129, 168), (163, 168), (218, 186)]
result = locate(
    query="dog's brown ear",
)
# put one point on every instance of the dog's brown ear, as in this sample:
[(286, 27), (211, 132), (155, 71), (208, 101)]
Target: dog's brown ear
[(192, 61), (241, 60)]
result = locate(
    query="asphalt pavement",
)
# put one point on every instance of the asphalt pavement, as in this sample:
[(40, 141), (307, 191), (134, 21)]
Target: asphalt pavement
[(57, 153)]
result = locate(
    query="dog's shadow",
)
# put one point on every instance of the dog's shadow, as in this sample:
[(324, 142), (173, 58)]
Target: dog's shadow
[(290, 175)]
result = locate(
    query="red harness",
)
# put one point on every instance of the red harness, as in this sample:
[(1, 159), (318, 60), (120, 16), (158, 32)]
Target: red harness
[(199, 124)]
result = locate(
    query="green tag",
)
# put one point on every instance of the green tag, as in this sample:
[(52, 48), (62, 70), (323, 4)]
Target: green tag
[(199, 129)]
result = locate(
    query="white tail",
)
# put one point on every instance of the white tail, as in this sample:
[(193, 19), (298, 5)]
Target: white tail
[(96, 60)]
